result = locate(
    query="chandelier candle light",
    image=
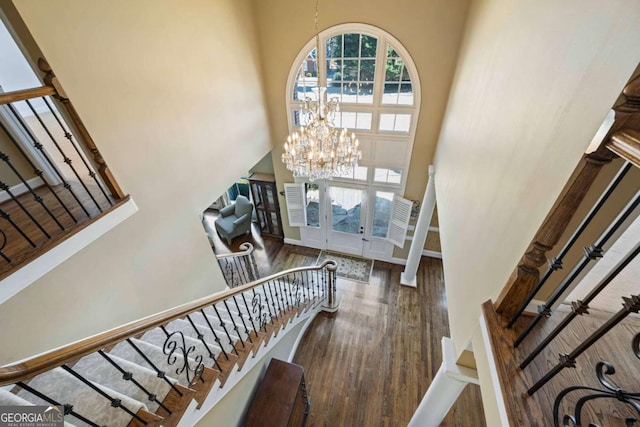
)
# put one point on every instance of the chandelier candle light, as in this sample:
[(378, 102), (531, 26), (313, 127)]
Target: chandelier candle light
[(318, 150)]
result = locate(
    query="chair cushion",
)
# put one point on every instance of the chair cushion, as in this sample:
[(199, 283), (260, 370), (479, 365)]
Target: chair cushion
[(226, 224), (243, 206)]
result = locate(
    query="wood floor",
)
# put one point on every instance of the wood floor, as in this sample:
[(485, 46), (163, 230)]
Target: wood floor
[(371, 363)]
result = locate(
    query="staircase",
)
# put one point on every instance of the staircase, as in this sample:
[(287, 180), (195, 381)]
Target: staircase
[(171, 368)]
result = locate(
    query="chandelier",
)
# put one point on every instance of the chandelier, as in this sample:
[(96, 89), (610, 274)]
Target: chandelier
[(317, 149)]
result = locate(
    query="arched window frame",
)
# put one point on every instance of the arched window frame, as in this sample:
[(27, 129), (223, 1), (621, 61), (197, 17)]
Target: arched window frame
[(373, 141)]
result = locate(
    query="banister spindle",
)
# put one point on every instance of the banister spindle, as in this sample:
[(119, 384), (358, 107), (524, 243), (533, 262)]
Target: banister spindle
[(216, 338), (4, 214), (37, 171), (581, 307), (591, 253), (224, 328), (200, 336), (69, 137), (68, 409), (556, 262), (7, 189), (64, 155), (244, 323), (629, 305), (128, 376), (159, 373), (116, 403), (233, 321)]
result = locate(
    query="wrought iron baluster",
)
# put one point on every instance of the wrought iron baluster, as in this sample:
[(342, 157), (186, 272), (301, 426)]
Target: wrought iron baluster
[(273, 301), (579, 308), (235, 324), (257, 310), (224, 327), (629, 305), (268, 304), (175, 343), (4, 243), (6, 216), (159, 373), (5, 187), (215, 335), (128, 376), (116, 403), (69, 136), (246, 329), (556, 262), (246, 305), (283, 293), (609, 390), (590, 253), (38, 146), (35, 195), (204, 342), (66, 158), (68, 409)]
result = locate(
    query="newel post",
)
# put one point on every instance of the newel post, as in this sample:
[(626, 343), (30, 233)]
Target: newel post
[(103, 169), (332, 302)]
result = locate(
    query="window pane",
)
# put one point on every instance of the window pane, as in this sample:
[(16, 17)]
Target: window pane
[(350, 70), (313, 204), (368, 46), (393, 70), (360, 172), (345, 209), (367, 69), (365, 93), (391, 53), (406, 95), (349, 92), (363, 121), (387, 121), (405, 74), (334, 70), (394, 176), (351, 45), (389, 176), (390, 95), (382, 213), (334, 47), (307, 77), (348, 120), (403, 121)]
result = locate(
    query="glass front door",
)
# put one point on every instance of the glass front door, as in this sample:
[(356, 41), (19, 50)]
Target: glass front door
[(346, 210)]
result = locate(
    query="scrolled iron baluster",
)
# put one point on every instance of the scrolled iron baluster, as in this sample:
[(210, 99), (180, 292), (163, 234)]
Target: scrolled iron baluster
[(4, 243), (175, 343), (257, 309), (604, 371)]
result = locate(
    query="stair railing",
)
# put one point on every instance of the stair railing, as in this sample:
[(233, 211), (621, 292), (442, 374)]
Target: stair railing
[(55, 178), (239, 268), (220, 329)]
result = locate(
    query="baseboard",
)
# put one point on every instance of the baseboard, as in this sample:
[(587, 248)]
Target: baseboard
[(293, 241), (21, 188)]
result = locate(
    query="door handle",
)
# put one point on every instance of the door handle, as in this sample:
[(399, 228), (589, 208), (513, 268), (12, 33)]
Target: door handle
[(365, 240)]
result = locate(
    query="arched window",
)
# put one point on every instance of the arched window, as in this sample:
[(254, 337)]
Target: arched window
[(377, 85)]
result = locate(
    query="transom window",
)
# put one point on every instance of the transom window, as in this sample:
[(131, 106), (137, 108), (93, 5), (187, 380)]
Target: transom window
[(374, 78)]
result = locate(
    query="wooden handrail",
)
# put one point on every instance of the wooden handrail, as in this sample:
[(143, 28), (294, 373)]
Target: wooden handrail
[(9, 374), (23, 95), (626, 144), (246, 249)]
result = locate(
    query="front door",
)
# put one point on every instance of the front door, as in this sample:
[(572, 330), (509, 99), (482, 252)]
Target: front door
[(346, 214)]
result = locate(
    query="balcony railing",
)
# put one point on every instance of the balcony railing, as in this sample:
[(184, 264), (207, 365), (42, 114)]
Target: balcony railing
[(53, 178)]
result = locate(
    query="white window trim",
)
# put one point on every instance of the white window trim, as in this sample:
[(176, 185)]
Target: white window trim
[(26, 275)]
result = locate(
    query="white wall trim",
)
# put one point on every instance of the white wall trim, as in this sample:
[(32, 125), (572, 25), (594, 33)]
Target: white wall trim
[(502, 409), (293, 241), (40, 266), (18, 189), (432, 254)]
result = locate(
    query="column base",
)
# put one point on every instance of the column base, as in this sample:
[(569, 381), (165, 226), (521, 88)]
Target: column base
[(333, 307), (404, 281)]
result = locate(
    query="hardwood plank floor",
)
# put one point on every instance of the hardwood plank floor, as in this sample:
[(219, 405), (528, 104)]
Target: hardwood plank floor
[(370, 363)]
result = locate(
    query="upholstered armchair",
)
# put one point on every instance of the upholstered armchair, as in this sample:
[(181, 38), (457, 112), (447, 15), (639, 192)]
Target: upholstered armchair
[(235, 220)]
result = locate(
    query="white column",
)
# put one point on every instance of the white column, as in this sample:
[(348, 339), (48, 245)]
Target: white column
[(408, 276), (444, 390)]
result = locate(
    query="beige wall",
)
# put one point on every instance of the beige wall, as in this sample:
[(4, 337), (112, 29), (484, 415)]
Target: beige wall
[(534, 82), (430, 30), (171, 92)]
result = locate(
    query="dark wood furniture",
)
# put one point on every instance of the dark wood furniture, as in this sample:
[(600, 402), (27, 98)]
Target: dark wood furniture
[(281, 399), (265, 199)]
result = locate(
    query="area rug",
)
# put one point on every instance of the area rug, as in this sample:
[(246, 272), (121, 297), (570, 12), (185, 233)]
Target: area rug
[(349, 266)]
